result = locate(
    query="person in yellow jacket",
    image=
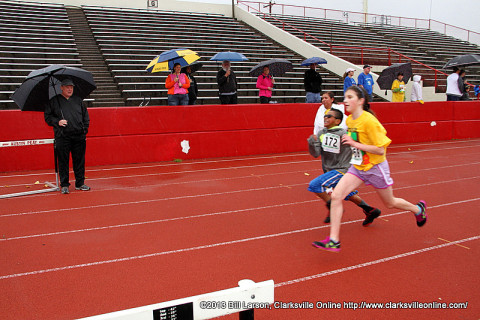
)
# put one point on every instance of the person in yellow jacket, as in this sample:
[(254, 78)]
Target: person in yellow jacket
[(398, 89)]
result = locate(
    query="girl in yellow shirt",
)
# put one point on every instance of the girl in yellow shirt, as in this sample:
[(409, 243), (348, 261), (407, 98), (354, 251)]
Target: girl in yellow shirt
[(369, 143)]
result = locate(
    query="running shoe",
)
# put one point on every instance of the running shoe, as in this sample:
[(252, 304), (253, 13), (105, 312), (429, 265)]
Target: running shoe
[(422, 216), (65, 190), (327, 244), (83, 188), (370, 216)]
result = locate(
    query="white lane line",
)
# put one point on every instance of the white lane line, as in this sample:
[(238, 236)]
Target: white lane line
[(252, 175), (371, 263), (151, 200), (159, 220), (219, 244), (205, 195), (207, 214), (260, 157)]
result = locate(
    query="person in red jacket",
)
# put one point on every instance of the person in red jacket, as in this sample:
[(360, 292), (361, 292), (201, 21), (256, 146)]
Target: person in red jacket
[(265, 83)]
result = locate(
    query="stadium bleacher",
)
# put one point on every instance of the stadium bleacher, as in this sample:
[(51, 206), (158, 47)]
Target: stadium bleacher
[(31, 37), (116, 45), (130, 39), (428, 47)]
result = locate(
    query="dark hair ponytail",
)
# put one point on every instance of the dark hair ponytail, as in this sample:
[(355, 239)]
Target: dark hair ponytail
[(361, 93)]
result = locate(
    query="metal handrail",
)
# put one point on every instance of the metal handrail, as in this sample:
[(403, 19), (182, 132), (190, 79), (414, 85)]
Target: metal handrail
[(388, 49), (365, 15)]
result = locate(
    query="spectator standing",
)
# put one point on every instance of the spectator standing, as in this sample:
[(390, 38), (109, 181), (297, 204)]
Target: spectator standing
[(227, 84), (365, 80), (265, 83), (453, 91), (177, 84), (69, 118), (398, 88), (463, 86), (328, 102), (416, 89), (193, 90), (313, 84), (348, 79)]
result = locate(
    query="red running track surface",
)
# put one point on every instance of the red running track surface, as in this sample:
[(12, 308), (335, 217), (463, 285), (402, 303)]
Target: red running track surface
[(149, 233)]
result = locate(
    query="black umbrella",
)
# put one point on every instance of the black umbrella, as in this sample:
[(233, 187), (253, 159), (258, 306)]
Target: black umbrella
[(43, 84), (278, 67), (194, 67), (463, 60), (389, 74)]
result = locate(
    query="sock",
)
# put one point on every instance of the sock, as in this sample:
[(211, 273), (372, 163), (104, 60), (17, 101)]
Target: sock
[(365, 206), (419, 210), (329, 202), (336, 242)]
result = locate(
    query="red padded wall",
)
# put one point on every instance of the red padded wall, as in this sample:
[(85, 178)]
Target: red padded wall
[(149, 134)]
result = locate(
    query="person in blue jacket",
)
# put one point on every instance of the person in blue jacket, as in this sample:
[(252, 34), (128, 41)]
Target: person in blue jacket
[(365, 80), (348, 79)]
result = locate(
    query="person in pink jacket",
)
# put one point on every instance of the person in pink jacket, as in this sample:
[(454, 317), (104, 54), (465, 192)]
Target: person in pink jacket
[(265, 83)]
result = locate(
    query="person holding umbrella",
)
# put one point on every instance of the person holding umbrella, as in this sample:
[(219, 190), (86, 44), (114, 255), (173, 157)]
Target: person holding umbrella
[(398, 89), (453, 91), (69, 118), (177, 84), (227, 84), (265, 83), (313, 84)]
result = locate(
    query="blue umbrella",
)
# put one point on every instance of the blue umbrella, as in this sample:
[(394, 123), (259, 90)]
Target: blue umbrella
[(229, 56), (315, 60)]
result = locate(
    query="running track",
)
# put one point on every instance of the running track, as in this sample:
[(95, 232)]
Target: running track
[(149, 233)]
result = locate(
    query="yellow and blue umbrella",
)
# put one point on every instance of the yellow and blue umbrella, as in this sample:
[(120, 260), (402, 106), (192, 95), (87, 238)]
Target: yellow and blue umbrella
[(166, 60)]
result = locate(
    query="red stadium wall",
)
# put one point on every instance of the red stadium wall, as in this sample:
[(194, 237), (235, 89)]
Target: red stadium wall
[(149, 134)]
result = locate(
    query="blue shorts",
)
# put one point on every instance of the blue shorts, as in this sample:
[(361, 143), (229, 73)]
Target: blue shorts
[(327, 180)]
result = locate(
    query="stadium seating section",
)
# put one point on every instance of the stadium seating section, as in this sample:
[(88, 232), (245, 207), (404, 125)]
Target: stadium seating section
[(428, 47), (117, 44)]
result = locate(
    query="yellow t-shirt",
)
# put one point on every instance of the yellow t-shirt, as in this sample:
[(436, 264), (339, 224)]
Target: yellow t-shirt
[(398, 96), (366, 129)]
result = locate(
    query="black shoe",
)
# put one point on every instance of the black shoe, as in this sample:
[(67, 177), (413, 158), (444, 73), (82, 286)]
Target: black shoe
[(370, 216), (83, 188), (65, 190), (327, 219)]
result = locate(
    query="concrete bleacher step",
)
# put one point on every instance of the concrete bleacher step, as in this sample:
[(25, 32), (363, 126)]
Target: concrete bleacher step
[(107, 90)]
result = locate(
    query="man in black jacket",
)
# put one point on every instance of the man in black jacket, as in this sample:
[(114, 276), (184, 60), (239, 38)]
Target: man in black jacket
[(70, 121), (313, 85), (227, 84)]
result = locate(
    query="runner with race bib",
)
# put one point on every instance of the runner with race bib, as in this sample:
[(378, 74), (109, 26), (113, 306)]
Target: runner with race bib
[(369, 141), (335, 162)]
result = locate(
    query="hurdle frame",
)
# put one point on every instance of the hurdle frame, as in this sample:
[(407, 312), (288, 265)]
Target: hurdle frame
[(204, 306), (21, 143)]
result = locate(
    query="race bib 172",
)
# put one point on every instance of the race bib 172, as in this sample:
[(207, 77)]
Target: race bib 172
[(331, 143)]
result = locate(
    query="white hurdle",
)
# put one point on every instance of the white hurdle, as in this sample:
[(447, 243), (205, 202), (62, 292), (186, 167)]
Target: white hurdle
[(242, 299), (22, 143)]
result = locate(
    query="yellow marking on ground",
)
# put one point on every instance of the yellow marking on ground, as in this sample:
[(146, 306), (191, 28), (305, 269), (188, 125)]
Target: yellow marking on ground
[(455, 244)]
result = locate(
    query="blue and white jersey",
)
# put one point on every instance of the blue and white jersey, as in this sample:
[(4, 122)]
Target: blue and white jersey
[(366, 80), (347, 83)]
